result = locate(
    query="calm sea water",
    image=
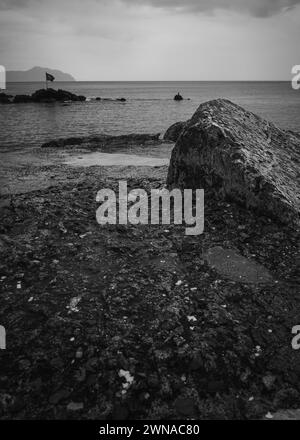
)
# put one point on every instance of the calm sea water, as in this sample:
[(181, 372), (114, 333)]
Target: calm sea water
[(149, 108)]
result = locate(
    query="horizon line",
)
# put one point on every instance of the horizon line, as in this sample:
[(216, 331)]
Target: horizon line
[(158, 80)]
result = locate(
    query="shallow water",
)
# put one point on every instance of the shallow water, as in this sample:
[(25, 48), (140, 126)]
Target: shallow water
[(149, 108), (108, 159)]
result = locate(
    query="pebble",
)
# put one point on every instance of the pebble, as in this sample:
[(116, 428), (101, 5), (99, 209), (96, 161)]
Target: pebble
[(73, 406), (192, 318), (268, 416), (79, 353)]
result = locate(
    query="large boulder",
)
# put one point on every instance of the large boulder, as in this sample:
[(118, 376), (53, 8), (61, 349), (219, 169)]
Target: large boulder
[(240, 156), (173, 132)]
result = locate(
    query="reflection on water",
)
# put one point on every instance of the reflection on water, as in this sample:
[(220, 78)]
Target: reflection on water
[(108, 159), (149, 108)]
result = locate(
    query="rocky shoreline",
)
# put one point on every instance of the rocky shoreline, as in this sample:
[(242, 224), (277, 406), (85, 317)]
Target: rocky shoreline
[(49, 96), (124, 322), (42, 96)]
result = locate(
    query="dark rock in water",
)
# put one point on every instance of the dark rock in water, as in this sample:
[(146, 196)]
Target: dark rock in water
[(104, 138), (5, 99), (173, 132), (21, 99), (121, 99), (51, 95), (178, 97), (61, 143), (240, 156), (98, 99), (47, 95)]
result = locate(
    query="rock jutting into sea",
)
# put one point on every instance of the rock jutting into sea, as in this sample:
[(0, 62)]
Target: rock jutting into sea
[(41, 96), (50, 95), (102, 139), (240, 156)]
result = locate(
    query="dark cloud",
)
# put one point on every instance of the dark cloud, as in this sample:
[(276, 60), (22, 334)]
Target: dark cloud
[(258, 8), (11, 4)]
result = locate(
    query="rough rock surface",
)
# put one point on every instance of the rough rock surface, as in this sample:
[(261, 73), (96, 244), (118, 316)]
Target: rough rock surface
[(173, 132), (100, 139), (48, 95), (242, 157)]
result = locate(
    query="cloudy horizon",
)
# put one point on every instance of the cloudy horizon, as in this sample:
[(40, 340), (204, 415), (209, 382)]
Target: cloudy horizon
[(112, 40)]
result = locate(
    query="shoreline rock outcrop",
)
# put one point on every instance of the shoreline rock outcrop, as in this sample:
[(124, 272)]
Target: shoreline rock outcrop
[(42, 96), (173, 132), (102, 138), (241, 157), (49, 95)]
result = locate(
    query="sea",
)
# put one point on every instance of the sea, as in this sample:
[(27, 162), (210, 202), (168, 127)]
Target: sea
[(149, 108)]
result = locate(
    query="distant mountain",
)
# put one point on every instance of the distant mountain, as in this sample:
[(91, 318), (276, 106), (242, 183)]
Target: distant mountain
[(36, 74)]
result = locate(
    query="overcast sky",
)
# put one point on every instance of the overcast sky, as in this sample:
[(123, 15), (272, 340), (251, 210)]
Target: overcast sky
[(153, 39)]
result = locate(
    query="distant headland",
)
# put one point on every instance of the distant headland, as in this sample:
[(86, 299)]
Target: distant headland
[(36, 74)]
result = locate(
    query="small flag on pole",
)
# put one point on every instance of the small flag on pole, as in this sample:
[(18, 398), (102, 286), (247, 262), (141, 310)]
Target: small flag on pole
[(49, 77)]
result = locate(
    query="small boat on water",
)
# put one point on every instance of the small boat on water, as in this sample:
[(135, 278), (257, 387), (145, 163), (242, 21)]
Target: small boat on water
[(178, 97)]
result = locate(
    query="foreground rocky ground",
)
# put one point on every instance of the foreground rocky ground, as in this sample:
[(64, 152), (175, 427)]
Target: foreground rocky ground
[(142, 321)]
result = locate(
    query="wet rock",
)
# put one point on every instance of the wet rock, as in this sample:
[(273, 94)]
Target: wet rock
[(234, 266), (239, 155), (173, 132)]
